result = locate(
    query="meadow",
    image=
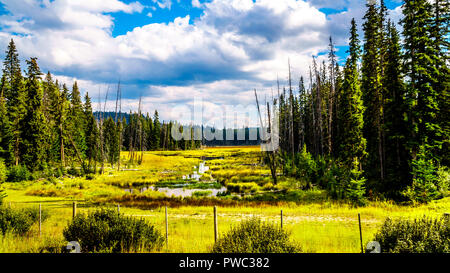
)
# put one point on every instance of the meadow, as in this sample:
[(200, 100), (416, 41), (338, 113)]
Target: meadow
[(318, 223)]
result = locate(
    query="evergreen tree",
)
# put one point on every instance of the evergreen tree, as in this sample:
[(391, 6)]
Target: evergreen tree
[(90, 131), (420, 61), (34, 137), (76, 120), (6, 149), (15, 95), (111, 139), (395, 113), (372, 92), (353, 144), (156, 132)]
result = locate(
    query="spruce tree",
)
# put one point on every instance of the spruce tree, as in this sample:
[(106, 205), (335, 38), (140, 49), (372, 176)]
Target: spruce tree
[(76, 120), (15, 95), (35, 134), (353, 144), (156, 132), (420, 60), (90, 131), (6, 149), (396, 123), (371, 88)]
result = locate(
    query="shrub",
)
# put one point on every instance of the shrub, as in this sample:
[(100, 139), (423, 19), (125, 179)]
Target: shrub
[(254, 236), (3, 171), (423, 235), (423, 188), (19, 221), (443, 183), (201, 193), (355, 188), (107, 231), (19, 173)]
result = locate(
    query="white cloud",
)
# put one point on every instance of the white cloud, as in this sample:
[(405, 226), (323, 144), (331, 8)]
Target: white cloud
[(196, 4), (235, 46), (163, 4)]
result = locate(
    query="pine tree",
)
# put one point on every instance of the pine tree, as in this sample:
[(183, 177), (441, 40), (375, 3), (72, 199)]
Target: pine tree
[(439, 35), (354, 188), (395, 113), (35, 134), (353, 144), (111, 140), (371, 88), (420, 60), (156, 132), (6, 149), (76, 120), (90, 131), (15, 95)]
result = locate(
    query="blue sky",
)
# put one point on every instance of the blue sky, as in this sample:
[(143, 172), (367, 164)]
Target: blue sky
[(171, 51)]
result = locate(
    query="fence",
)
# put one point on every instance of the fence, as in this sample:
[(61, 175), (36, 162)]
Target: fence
[(214, 217)]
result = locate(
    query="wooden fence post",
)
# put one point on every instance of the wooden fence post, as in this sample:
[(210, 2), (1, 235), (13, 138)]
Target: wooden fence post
[(167, 231), (74, 209), (281, 218), (40, 220), (360, 233), (118, 209), (216, 232)]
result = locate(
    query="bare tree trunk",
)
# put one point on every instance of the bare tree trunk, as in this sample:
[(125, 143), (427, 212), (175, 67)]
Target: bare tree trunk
[(121, 126), (319, 107), (271, 156), (291, 113)]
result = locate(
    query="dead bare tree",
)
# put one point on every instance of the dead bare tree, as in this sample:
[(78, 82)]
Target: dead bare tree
[(101, 133), (291, 113), (318, 108), (270, 155)]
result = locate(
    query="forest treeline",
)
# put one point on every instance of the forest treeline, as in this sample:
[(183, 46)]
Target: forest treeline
[(46, 128), (376, 127), (379, 125)]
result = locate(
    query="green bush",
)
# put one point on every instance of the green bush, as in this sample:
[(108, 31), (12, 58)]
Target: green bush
[(254, 236), (107, 231), (19, 173), (423, 235), (443, 183), (19, 221), (3, 171), (424, 172)]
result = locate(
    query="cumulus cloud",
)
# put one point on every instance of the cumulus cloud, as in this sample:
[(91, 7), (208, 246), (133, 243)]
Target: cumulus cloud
[(233, 47), (196, 4)]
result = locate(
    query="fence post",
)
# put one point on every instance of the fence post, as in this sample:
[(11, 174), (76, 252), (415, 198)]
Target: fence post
[(118, 209), (74, 209), (167, 231), (40, 220), (216, 232), (360, 233), (281, 218)]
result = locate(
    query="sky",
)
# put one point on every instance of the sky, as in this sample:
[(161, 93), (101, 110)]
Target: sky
[(172, 52)]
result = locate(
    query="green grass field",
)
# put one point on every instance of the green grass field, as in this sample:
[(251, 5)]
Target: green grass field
[(323, 226)]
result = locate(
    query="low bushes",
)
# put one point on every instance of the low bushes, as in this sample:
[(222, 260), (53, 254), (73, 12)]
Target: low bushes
[(254, 236), (107, 231), (422, 235), (3, 171), (19, 221), (19, 173), (242, 187)]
